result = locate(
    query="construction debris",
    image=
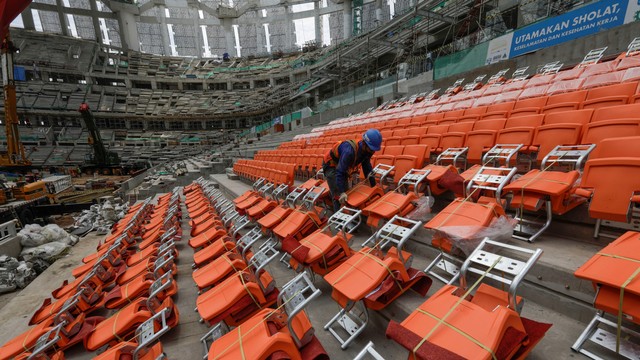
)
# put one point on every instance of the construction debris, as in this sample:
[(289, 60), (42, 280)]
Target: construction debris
[(99, 217), (41, 246), (34, 235)]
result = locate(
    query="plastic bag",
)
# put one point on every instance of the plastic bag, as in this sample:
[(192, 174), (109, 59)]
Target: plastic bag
[(422, 212), (31, 235), (49, 252), (464, 239)]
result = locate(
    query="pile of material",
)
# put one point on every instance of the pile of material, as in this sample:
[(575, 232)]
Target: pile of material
[(47, 243), (41, 246), (16, 274), (99, 217)]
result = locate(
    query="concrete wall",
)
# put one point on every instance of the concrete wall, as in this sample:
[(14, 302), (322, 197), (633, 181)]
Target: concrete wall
[(9, 242), (326, 116)]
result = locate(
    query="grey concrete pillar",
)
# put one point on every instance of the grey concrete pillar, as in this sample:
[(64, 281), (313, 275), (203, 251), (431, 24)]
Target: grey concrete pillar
[(64, 25), (347, 13), (127, 124), (154, 84), (261, 36), (317, 22), (180, 86), (252, 84), (289, 28), (27, 20), (229, 85), (229, 36), (128, 31), (165, 32), (198, 35), (379, 4), (96, 22)]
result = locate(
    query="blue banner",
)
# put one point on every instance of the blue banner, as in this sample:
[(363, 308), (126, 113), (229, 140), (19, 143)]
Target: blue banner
[(19, 74), (584, 21)]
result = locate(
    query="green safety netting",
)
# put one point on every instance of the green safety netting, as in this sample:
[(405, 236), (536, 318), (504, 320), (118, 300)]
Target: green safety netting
[(461, 61)]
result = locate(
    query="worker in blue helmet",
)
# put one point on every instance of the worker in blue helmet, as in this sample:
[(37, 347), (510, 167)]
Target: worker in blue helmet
[(343, 159)]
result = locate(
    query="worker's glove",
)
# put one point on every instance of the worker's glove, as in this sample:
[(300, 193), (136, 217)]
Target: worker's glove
[(343, 199)]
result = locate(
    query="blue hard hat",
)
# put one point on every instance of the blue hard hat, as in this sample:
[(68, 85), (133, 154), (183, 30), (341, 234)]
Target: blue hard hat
[(373, 139)]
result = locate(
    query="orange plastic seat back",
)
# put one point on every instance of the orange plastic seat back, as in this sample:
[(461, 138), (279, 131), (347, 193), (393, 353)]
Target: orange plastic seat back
[(526, 121), (630, 111), (599, 68), (508, 96), (461, 127), (476, 110), (497, 124), (393, 150), (614, 181), (581, 117), (403, 163), (603, 80), (531, 92), (601, 130), (421, 152), (565, 101), (569, 74), (516, 135), (478, 142), (452, 140), (548, 137)]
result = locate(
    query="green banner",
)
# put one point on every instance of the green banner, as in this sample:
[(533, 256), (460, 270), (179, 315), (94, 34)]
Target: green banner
[(461, 61)]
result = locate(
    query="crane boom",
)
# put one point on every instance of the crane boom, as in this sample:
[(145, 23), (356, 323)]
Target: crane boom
[(101, 156)]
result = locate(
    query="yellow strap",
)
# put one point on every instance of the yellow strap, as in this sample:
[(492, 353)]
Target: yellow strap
[(24, 341), (624, 285), (240, 336), (308, 242), (126, 292), (249, 291), (240, 344), (361, 258), (460, 300), (226, 258), (619, 257), (375, 258), (459, 331), (388, 203), (622, 289), (313, 220), (217, 289), (113, 328)]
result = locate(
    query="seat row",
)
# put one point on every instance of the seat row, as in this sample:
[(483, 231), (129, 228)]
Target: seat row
[(237, 291), (277, 172), (604, 87), (130, 276), (373, 276)]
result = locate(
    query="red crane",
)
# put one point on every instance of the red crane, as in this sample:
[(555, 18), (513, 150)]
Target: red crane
[(14, 156)]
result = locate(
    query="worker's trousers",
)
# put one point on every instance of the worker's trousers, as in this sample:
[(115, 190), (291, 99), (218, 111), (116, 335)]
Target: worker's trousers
[(330, 176)]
